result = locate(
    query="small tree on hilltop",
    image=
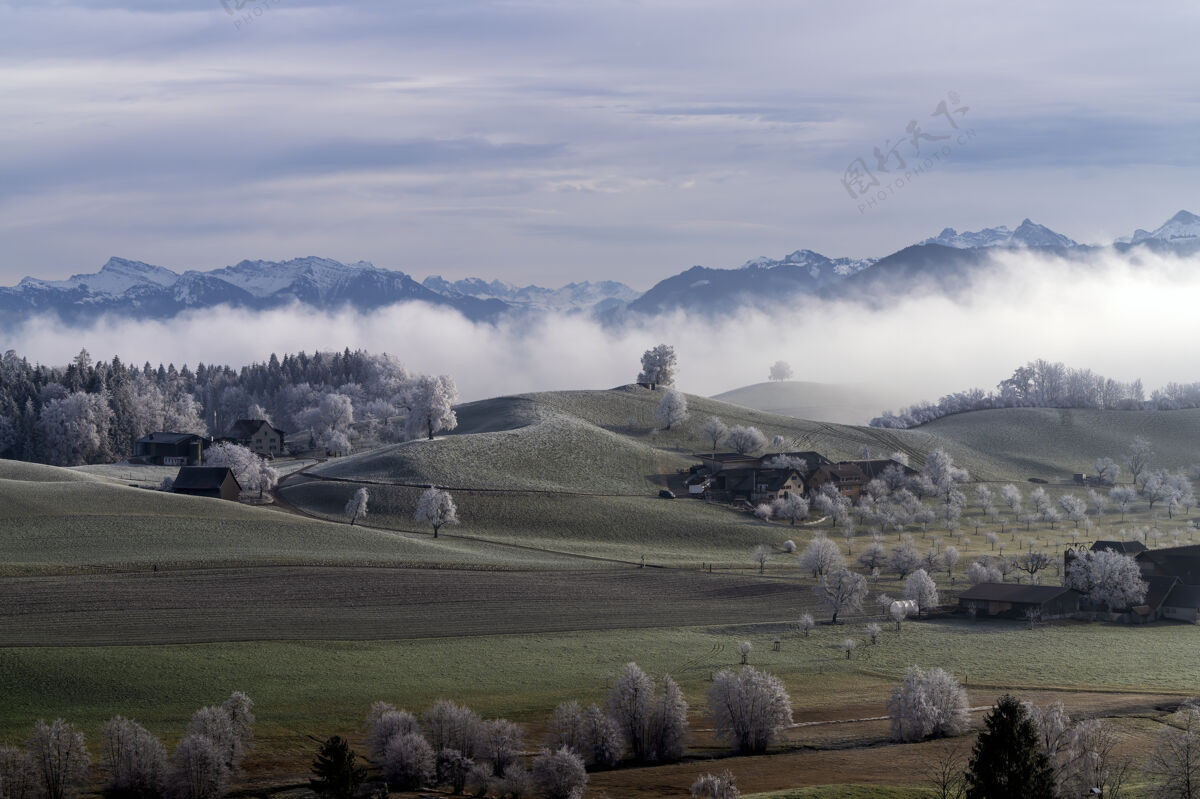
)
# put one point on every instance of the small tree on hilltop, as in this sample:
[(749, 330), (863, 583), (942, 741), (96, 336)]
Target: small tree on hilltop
[(430, 404), (658, 366), (781, 371), (1007, 760), (336, 774), (356, 506), (436, 508)]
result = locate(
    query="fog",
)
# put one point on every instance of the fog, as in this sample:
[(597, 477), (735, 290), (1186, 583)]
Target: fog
[(1121, 318)]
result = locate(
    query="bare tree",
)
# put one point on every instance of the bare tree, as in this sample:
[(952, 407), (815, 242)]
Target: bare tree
[(848, 646), (135, 760), (713, 430), (945, 773), (385, 726), (16, 775), (500, 742), (1174, 764), (927, 704), (58, 759), (1140, 452), (198, 769), (1107, 470), (436, 508), (716, 786), (356, 506), (760, 556), (821, 556), (749, 708), (746, 440), (744, 649), (841, 590), (408, 762), (559, 774), (449, 725), (805, 623)]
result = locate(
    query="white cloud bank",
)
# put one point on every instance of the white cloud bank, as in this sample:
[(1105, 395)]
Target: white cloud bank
[(1124, 319)]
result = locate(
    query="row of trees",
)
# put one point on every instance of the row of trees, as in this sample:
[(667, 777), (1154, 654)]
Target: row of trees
[(1045, 384), (55, 762), (92, 411)]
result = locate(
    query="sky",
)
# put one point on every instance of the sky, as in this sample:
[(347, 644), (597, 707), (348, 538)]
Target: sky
[(547, 142)]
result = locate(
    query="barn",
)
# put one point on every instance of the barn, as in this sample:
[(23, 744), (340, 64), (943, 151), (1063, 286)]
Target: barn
[(207, 481), (1012, 600)]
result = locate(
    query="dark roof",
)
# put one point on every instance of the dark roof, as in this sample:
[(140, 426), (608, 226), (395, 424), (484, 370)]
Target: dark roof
[(246, 428), (844, 472), (1124, 547), (1183, 596), (168, 438), (1015, 592), (721, 457), (748, 479), (1182, 562), (203, 478)]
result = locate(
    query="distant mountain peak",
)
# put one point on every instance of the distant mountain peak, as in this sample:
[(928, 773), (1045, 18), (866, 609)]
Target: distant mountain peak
[(1184, 225), (1027, 234)]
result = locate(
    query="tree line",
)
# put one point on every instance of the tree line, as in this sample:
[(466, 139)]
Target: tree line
[(92, 411), (1046, 384)]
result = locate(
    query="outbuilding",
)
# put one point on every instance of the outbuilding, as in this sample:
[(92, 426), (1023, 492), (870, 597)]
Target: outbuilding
[(217, 482), (1012, 600)]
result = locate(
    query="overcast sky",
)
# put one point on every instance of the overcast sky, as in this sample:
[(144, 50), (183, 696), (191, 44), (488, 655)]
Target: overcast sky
[(551, 141)]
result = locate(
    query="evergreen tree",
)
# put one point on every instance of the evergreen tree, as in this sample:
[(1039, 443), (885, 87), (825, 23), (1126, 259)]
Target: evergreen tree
[(1007, 761), (336, 774)]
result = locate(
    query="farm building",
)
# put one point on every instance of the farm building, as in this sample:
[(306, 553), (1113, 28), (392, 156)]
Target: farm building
[(256, 435), (875, 467), (171, 449), (722, 461), (847, 478), (755, 485), (1012, 600), (217, 482), (1181, 562), (1124, 547)]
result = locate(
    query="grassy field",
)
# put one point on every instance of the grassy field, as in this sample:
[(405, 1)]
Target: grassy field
[(531, 601), (842, 403)]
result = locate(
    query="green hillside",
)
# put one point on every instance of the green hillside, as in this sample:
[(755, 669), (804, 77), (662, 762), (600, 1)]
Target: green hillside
[(843, 403)]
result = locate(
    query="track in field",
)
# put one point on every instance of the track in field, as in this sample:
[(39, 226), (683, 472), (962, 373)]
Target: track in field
[(310, 603)]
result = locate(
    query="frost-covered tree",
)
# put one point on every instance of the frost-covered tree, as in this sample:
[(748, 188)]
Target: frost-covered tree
[(1174, 763), (451, 768), (16, 774), (658, 366), (198, 769), (793, 508), (1107, 470), (134, 759), (713, 430), (780, 371), (588, 732), (805, 623), (652, 722), (385, 725), (559, 774), (408, 762), (1107, 578), (904, 559), (668, 722), (500, 743), (715, 786), (430, 404), (356, 506), (1011, 495), (58, 759), (436, 508), (1122, 497), (927, 704), (821, 556), (672, 409), (746, 440), (759, 556), (1138, 457), (252, 472), (873, 556), (921, 588), (982, 573), (841, 590), (75, 429), (449, 725), (749, 708)]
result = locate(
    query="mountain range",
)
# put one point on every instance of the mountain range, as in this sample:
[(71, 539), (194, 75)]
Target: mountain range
[(133, 288)]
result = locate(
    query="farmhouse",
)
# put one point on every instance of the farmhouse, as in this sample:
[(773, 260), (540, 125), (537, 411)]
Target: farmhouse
[(256, 435), (171, 449), (1012, 600), (217, 482), (847, 478), (756, 485)]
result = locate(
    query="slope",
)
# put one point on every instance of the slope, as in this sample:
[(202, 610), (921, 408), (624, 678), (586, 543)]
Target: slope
[(844, 403)]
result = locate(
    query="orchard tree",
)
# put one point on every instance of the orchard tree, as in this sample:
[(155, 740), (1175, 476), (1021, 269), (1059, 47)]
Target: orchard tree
[(793, 507), (805, 623), (356, 506), (1138, 457), (760, 556), (746, 440), (749, 708), (821, 556), (780, 371), (927, 704), (1107, 470), (904, 559), (430, 403), (1011, 496), (658, 366), (1122, 497), (921, 588), (841, 590), (436, 508), (672, 409), (714, 430), (1007, 761)]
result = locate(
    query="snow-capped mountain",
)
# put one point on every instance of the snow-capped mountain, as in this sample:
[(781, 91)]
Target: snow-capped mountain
[(1184, 225), (1027, 234), (587, 295)]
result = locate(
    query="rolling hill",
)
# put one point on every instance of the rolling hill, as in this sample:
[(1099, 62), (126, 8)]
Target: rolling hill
[(843, 403)]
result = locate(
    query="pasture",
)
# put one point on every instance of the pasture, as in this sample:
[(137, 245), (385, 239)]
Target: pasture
[(535, 598)]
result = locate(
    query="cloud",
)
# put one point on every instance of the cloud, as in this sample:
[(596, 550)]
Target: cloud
[(1122, 317)]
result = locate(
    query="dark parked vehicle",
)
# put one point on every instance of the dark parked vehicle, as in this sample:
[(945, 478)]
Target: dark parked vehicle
[(665, 494)]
